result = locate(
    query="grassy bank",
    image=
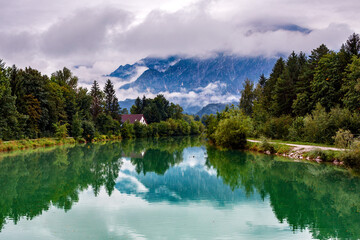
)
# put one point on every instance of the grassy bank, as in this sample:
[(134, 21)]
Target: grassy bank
[(8, 146), (33, 143), (296, 142), (350, 157)]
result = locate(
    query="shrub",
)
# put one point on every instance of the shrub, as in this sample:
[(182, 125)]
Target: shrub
[(231, 132), (351, 158), (278, 127), (61, 131), (296, 130), (76, 129), (140, 130), (89, 130), (266, 146), (343, 138), (127, 130)]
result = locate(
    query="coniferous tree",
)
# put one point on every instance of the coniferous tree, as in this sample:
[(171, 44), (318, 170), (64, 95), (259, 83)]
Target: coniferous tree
[(9, 121), (97, 100), (111, 102), (269, 86), (352, 45), (247, 97)]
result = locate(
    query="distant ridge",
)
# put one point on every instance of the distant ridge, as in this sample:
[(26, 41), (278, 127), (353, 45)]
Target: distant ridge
[(177, 74)]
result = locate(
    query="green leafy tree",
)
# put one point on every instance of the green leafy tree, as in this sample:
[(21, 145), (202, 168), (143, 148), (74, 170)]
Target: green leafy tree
[(232, 132)]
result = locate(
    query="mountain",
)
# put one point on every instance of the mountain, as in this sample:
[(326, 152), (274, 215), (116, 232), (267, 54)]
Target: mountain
[(127, 103), (177, 74), (212, 108)]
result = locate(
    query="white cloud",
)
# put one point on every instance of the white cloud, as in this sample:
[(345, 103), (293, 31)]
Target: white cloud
[(49, 35)]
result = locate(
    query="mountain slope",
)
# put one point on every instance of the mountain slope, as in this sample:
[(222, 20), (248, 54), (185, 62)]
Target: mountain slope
[(212, 108), (176, 74)]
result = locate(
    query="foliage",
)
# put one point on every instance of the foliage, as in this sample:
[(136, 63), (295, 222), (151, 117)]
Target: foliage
[(89, 130), (61, 131), (76, 129), (343, 138), (232, 132), (247, 97)]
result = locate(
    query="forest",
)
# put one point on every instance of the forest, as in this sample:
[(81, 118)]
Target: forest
[(33, 105), (313, 98)]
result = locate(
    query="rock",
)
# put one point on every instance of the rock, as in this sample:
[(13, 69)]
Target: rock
[(336, 162), (268, 152)]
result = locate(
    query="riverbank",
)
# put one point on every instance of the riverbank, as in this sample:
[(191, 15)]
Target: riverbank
[(298, 151), (9, 146)]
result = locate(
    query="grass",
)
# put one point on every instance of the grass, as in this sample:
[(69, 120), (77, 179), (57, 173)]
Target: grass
[(295, 142), (272, 148), (9, 146), (33, 143)]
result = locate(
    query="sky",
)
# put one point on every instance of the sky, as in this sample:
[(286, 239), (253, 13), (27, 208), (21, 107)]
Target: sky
[(97, 36)]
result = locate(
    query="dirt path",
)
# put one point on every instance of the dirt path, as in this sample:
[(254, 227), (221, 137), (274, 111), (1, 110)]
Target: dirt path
[(303, 148)]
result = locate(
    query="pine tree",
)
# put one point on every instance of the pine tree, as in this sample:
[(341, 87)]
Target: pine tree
[(97, 100), (352, 45), (269, 86), (247, 97), (111, 102), (9, 124)]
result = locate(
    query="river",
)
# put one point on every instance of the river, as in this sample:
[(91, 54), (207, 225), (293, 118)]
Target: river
[(174, 188)]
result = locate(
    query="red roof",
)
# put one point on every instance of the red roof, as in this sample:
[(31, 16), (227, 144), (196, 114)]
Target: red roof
[(131, 117)]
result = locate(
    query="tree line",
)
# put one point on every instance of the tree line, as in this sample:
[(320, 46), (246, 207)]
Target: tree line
[(305, 98), (308, 98), (34, 105)]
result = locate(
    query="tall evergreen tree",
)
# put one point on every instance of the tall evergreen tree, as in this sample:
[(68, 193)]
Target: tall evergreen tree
[(111, 102), (351, 85), (269, 86), (352, 45), (97, 100), (327, 82), (9, 121), (247, 97)]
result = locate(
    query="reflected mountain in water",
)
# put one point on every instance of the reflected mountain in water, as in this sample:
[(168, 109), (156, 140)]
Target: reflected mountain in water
[(321, 198)]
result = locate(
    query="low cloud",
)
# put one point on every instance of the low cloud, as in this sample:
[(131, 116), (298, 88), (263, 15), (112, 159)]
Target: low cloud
[(49, 35)]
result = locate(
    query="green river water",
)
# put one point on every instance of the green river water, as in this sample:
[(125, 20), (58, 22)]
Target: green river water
[(174, 188)]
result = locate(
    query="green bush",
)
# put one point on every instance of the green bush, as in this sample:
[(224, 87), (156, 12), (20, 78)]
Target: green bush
[(266, 146), (232, 132), (343, 138), (278, 127), (61, 131), (127, 130), (76, 129), (351, 158), (296, 130), (89, 131)]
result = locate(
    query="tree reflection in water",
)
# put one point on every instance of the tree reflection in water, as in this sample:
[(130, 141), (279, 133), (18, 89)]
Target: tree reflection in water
[(322, 198)]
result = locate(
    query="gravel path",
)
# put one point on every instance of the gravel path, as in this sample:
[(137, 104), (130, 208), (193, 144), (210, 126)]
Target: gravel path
[(303, 148)]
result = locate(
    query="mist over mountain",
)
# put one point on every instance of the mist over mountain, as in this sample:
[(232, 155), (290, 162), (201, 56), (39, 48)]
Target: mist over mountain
[(192, 82), (213, 108), (176, 74)]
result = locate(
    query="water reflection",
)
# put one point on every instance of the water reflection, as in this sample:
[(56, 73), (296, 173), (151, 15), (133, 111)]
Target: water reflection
[(320, 198)]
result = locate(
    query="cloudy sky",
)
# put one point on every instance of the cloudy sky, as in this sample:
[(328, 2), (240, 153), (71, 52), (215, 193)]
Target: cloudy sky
[(100, 35)]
